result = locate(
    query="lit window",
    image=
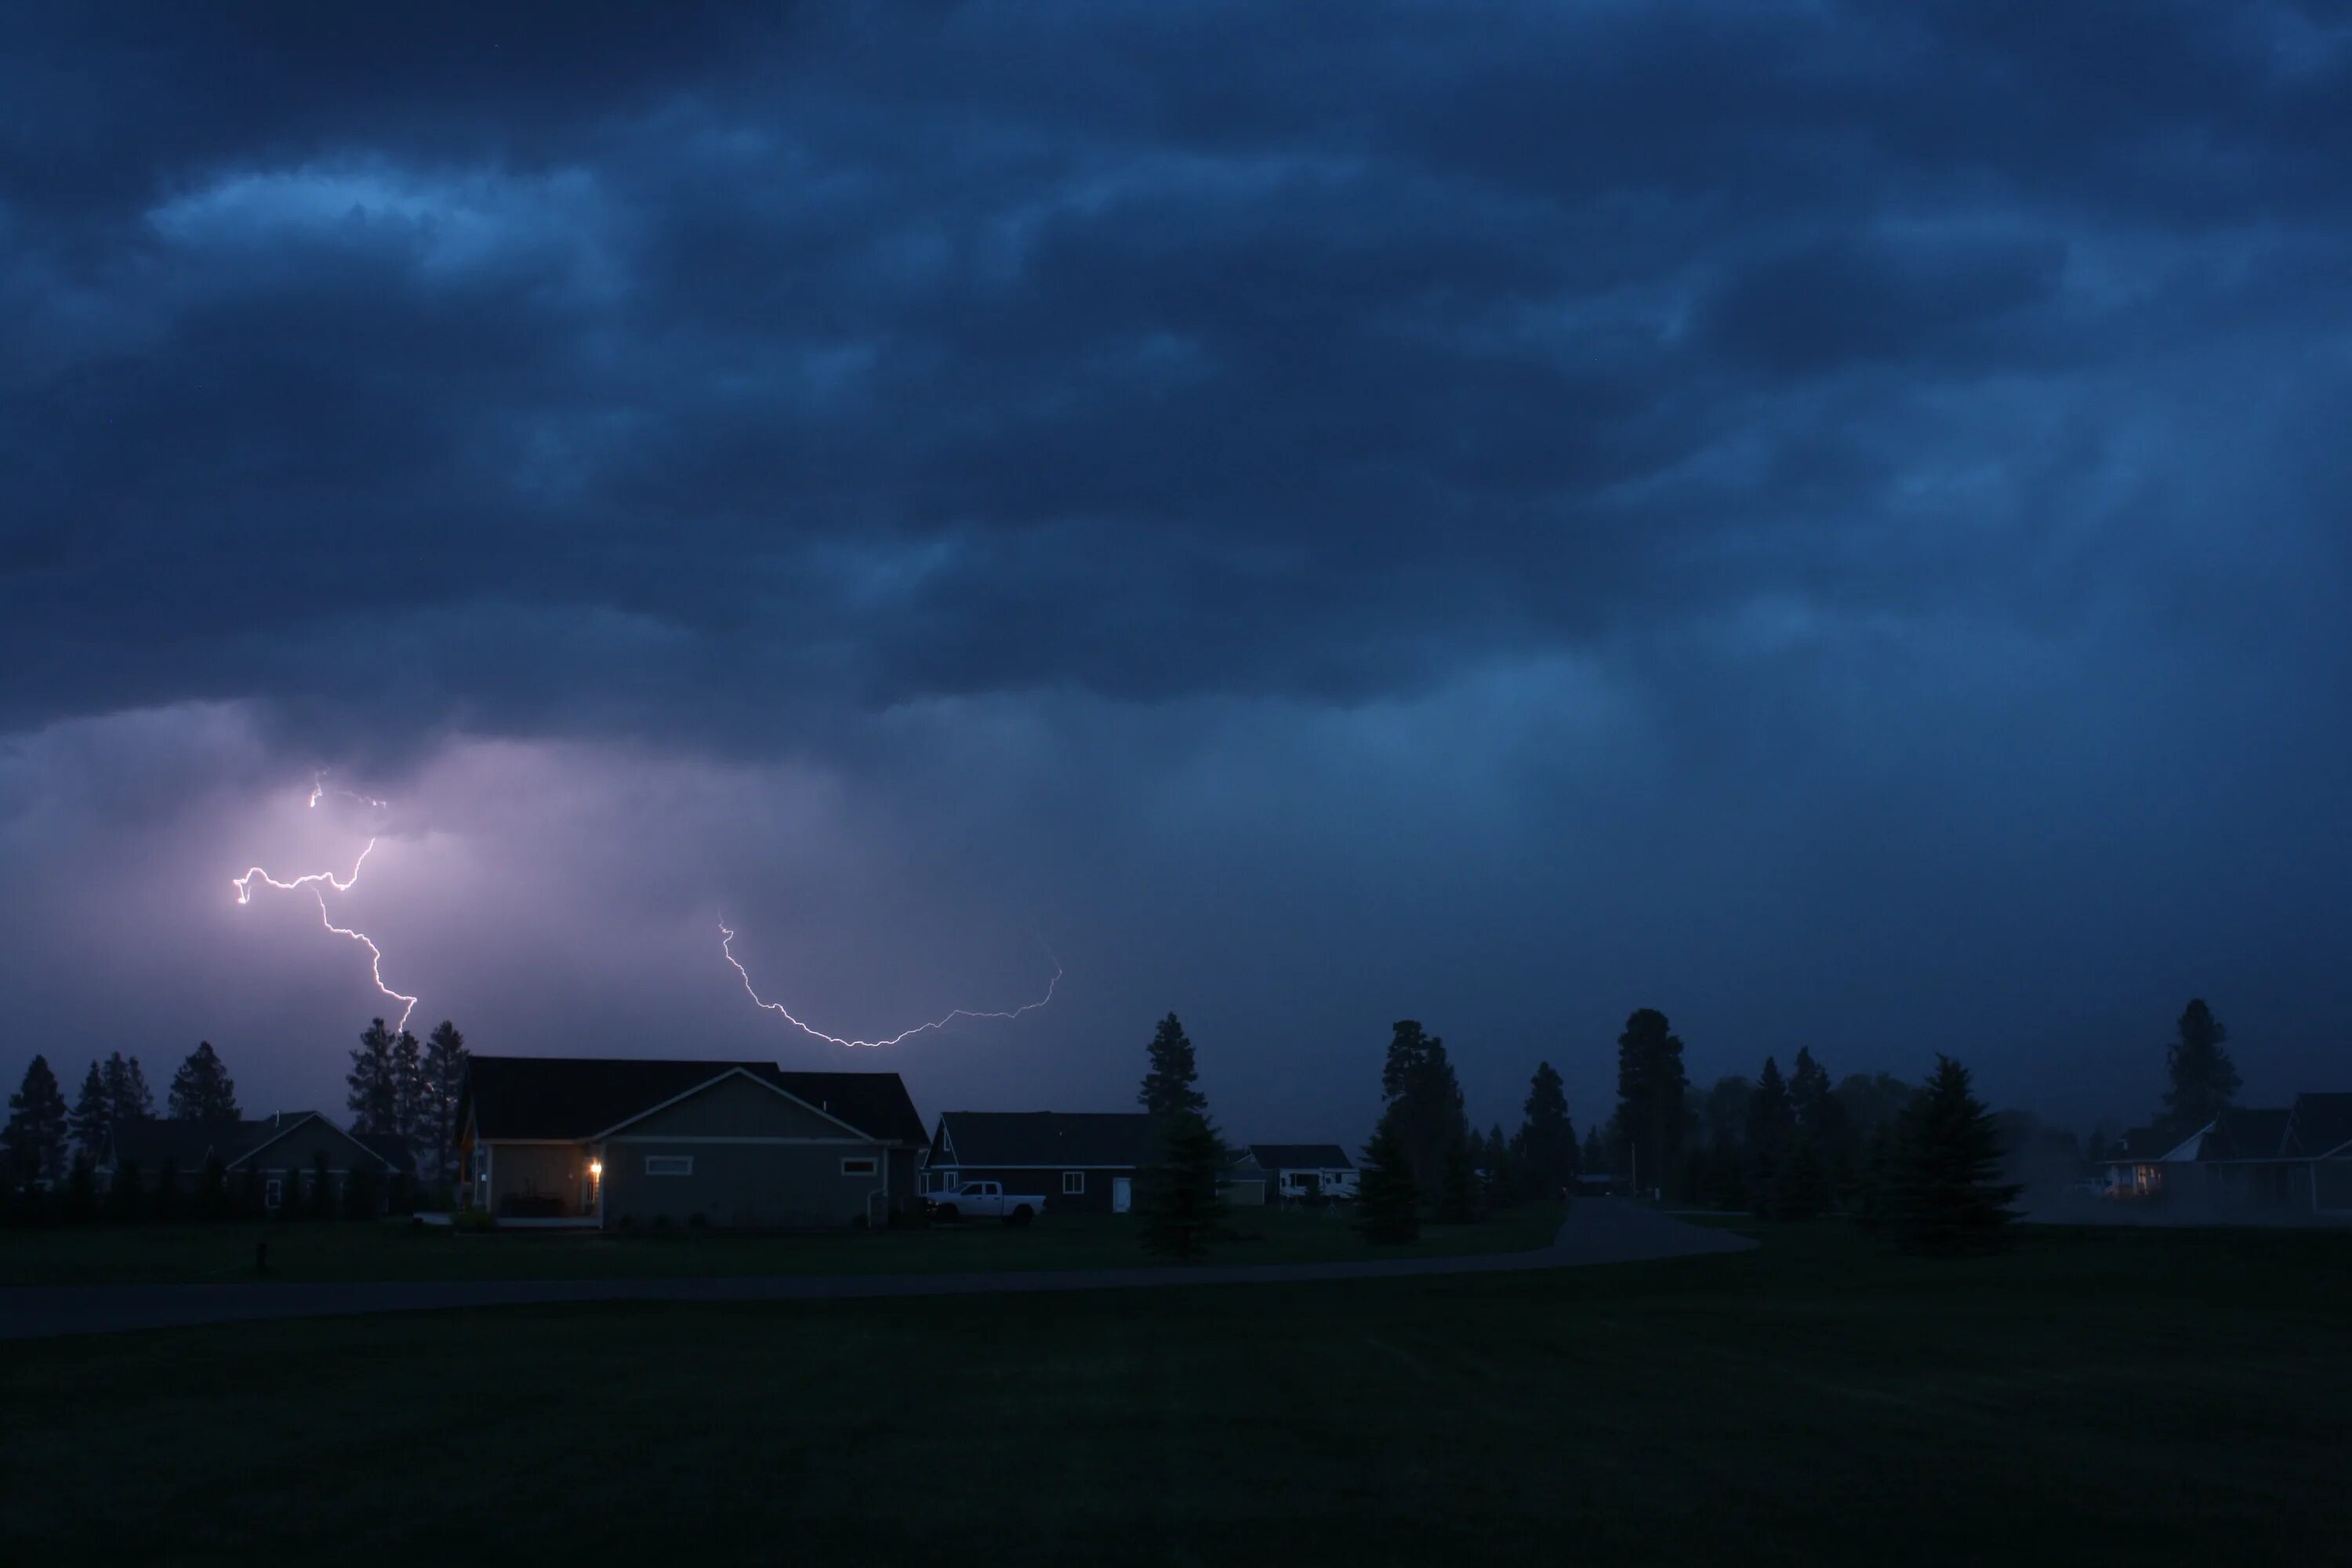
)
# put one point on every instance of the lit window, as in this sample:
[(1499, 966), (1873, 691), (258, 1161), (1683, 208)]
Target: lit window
[(1073, 1183), (669, 1164), (858, 1167)]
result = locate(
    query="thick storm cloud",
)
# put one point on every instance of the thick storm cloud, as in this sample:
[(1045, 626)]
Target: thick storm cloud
[(1828, 522)]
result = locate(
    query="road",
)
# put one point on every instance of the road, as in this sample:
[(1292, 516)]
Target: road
[(1596, 1231)]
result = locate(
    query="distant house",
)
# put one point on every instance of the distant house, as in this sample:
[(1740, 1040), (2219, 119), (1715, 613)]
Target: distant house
[(1080, 1160), (1243, 1184), (605, 1142), (1305, 1170), (271, 1147), (2298, 1159)]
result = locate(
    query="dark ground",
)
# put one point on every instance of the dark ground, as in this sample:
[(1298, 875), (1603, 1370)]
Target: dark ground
[(2093, 1397)]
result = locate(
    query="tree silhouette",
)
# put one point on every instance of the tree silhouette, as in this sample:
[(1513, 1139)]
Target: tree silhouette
[(374, 1096), (1546, 1138), (1772, 1127), (201, 1089), (126, 1089), (1947, 1161), (1422, 1093), (1181, 1207), (92, 1119), (1457, 1197), (1651, 1087), (1169, 1085), (2204, 1079), (34, 1136), (1388, 1204), (443, 1073)]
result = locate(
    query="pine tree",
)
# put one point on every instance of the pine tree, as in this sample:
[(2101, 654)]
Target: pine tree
[(1418, 1083), (407, 1088), (1600, 1156), (444, 1076), (1877, 1178), (1651, 1088), (1947, 1196), (372, 1095), (1388, 1204), (126, 1089), (1546, 1138), (1169, 1088), (1456, 1196), (201, 1089), (1772, 1125), (92, 1119), (1802, 1191), (1725, 1183), (1502, 1173), (126, 1196), (35, 1137), (2203, 1078), (1818, 1114), (1181, 1206)]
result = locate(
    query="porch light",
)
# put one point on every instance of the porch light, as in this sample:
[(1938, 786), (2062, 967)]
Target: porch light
[(596, 1167)]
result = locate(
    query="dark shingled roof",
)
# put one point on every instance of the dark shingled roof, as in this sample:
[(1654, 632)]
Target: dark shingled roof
[(1047, 1137), (149, 1144), (1301, 1157), (2319, 1124), (578, 1096), (2245, 1133)]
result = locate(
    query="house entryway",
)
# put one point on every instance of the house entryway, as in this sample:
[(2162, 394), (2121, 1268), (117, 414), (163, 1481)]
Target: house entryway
[(1122, 1194)]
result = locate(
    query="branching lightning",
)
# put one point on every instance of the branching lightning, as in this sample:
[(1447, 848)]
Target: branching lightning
[(726, 946), (244, 886)]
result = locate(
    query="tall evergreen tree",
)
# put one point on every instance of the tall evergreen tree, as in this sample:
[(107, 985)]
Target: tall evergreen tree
[(126, 1089), (373, 1095), (1947, 1195), (34, 1136), (444, 1077), (1600, 1156), (1170, 1086), (2203, 1078), (1387, 1203), (1504, 1185), (201, 1089), (1546, 1138), (91, 1121), (1420, 1086), (1180, 1204), (1771, 1126), (408, 1092), (1650, 1089), (81, 1188)]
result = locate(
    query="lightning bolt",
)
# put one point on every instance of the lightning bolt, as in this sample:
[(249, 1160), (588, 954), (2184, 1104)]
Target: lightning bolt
[(244, 886), (727, 946)]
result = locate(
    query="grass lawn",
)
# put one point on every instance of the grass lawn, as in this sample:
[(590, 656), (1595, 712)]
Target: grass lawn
[(103, 1255), (2093, 1397)]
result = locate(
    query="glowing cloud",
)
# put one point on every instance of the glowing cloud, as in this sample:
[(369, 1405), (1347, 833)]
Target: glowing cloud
[(244, 886), (727, 947)]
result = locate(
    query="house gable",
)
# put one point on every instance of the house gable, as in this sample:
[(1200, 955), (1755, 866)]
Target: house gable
[(736, 1104), (301, 1142)]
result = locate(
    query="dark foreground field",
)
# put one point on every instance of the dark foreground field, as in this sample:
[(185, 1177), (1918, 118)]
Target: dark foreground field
[(2094, 1397)]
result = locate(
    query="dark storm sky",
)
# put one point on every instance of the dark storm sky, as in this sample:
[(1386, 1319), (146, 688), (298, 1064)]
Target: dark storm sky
[(1829, 522)]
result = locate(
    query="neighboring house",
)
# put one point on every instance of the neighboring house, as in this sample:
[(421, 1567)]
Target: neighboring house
[(2136, 1167), (1244, 1183), (271, 1147), (606, 1142), (1305, 1170), (1080, 1160), (2297, 1159)]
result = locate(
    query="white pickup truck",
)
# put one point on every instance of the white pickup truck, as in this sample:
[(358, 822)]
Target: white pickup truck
[(986, 1200)]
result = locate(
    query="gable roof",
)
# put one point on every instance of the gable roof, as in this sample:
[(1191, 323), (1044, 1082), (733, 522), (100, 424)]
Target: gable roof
[(187, 1144), (568, 1098), (1301, 1157), (2142, 1146), (2319, 1124), (2245, 1133), (1114, 1138)]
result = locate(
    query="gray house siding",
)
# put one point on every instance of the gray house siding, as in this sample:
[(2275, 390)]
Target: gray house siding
[(739, 1184)]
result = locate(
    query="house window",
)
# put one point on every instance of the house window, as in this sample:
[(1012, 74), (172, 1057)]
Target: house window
[(273, 1192), (949, 1180), (669, 1164), (1073, 1183), (860, 1165)]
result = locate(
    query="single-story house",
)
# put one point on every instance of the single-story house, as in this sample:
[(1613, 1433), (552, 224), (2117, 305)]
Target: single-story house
[(608, 1142), (1305, 1170), (2136, 1167), (1244, 1183), (1080, 1160), (271, 1147), (2295, 1159)]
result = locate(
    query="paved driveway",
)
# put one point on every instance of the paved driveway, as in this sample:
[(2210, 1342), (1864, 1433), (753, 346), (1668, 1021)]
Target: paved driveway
[(1597, 1231)]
